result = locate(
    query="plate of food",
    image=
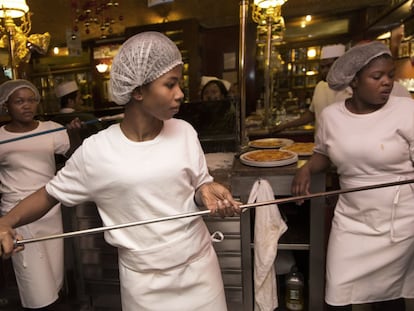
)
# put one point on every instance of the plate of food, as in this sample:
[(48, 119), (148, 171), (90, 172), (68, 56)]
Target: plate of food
[(270, 143), (302, 149), (268, 157)]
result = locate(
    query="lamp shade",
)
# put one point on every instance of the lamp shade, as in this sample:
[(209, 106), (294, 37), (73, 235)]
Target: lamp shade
[(13, 8), (102, 67), (265, 4)]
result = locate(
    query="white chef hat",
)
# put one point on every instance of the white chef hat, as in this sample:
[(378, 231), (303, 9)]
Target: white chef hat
[(141, 59), (66, 88), (332, 51), (207, 79)]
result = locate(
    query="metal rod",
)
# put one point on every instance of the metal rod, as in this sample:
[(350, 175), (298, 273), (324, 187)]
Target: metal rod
[(326, 194), (114, 227), (205, 212), (107, 118), (244, 11)]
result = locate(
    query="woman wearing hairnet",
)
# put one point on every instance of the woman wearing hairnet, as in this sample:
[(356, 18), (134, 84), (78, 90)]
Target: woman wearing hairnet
[(148, 166), (25, 166), (370, 139)]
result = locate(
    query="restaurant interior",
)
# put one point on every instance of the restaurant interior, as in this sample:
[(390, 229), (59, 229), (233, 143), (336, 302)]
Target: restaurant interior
[(269, 54)]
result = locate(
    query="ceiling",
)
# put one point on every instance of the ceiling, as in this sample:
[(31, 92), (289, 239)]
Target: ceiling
[(330, 17)]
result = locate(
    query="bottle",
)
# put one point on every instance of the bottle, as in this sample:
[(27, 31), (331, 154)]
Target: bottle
[(294, 290)]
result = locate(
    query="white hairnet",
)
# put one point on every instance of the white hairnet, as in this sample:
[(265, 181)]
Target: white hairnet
[(347, 66), (140, 60), (9, 87)]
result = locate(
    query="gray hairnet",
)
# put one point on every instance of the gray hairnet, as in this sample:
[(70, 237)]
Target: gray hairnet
[(348, 65), (140, 60), (9, 87)]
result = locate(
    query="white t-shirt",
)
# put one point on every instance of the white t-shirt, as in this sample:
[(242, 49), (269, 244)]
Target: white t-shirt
[(133, 181), (370, 149), (28, 164), (323, 96)]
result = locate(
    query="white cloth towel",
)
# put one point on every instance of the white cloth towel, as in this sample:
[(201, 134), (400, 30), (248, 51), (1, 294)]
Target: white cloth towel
[(269, 226)]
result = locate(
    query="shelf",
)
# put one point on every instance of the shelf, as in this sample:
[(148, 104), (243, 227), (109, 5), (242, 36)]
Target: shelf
[(292, 76)]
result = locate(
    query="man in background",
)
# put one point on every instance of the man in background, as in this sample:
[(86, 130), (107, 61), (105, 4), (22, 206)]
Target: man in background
[(69, 96), (322, 94), (70, 100)]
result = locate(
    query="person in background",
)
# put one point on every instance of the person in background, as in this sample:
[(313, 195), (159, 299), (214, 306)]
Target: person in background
[(369, 137), (148, 166), (214, 89), (25, 166), (69, 96), (70, 99), (322, 94)]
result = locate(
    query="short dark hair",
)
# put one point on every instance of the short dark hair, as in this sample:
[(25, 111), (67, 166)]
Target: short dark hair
[(222, 87), (64, 100)]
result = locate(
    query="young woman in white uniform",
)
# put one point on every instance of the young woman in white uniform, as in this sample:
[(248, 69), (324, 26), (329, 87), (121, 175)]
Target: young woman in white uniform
[(148, 166), (370, 139), (25, 166)]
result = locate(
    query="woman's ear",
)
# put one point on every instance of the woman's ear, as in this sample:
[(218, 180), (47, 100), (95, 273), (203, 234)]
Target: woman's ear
[(353, 83), (137, 94)]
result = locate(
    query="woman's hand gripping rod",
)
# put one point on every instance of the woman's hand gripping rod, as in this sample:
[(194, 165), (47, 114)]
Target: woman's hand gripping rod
[(101, 119), (206, 212)]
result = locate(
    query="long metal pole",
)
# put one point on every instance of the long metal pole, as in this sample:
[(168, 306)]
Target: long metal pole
[(268, 53), (244, 10), (114, 227), (11, 32), (206, 212), (108, 118)]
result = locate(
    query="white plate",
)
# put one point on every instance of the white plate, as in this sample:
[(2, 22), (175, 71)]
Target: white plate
[(270, 143), (298, 152), (245, 160)]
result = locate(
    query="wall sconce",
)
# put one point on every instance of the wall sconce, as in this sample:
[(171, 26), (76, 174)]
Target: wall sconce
[(19, 44), (102, 67)]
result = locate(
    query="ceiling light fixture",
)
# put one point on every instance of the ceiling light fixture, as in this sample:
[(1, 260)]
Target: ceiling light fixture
[(265, 4), (91, 14), (102, 67), (13, 8)]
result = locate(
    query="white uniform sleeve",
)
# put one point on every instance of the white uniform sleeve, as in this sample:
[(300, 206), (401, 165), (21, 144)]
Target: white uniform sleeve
[(61, 141), (69, 186)]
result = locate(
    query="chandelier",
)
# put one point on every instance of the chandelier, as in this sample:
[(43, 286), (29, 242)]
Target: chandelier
[(15, 28), (94, 14)]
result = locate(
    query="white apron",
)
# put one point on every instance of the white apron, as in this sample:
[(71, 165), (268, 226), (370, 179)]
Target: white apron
[(371, 246), (183, 275), (39, 268)]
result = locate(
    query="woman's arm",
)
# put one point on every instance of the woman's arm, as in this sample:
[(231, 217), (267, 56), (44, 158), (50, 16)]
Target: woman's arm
[(75, 139), (306, 118), (302, 180), (28, 210)]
